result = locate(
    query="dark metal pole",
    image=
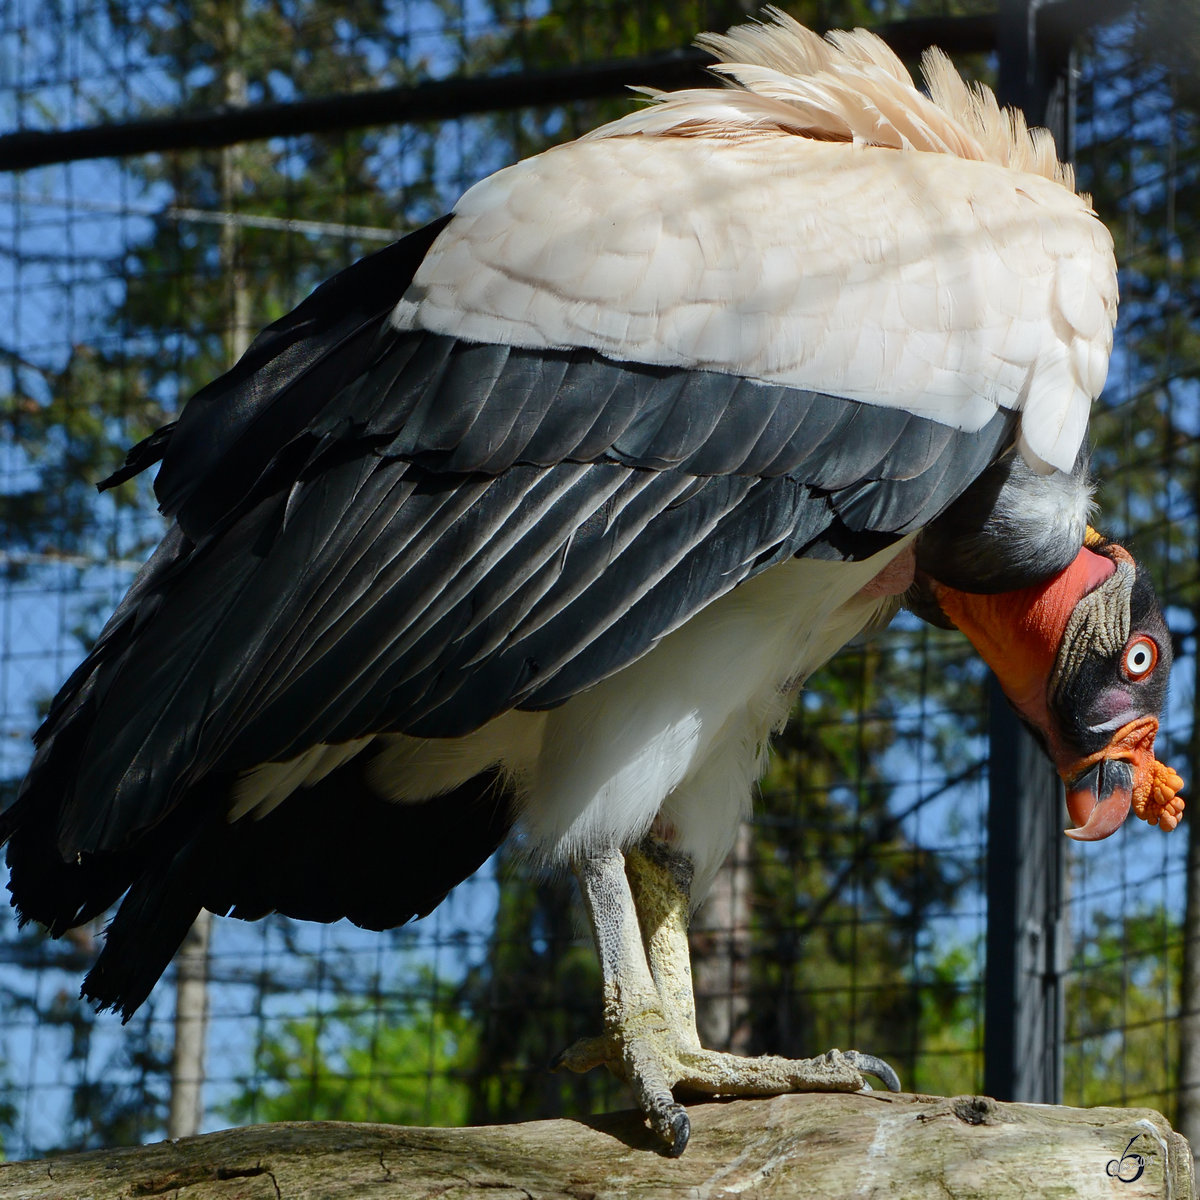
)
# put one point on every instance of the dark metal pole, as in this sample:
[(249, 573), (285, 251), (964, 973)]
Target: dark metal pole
[(1026, 935), (1026, 932), (429, 100)]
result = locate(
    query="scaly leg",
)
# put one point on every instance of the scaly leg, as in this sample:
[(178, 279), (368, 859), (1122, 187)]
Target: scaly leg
[(636, 1044), (638, 907), (660, 882)]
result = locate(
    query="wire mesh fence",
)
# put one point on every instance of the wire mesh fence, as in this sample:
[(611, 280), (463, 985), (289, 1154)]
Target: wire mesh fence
[(1137, 151), (853, 911)]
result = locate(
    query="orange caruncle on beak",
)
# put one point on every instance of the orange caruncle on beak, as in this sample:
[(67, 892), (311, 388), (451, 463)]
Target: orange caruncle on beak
[(1154, 794)]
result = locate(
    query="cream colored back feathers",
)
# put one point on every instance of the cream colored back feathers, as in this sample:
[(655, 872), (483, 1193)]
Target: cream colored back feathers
[(821, 224), (847, 86)]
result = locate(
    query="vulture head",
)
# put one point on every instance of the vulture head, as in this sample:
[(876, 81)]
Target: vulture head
[(1084, 659)]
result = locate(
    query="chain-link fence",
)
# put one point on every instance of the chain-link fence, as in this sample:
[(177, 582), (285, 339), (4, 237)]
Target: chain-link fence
[(854, 910)]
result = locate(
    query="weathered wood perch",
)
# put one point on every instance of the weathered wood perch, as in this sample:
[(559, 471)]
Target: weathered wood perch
[(871, 1145)]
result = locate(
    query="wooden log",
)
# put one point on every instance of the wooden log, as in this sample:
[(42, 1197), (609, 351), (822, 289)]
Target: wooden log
[(869, 1145)]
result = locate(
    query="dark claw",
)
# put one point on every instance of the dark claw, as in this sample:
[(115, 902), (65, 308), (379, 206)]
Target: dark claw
[(868, 1064), (681, 1130)]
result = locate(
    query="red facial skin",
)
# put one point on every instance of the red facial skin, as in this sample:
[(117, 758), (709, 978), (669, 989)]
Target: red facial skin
[(1018, 634)]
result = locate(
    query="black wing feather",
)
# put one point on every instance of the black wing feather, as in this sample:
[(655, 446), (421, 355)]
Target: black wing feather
[(231, 430)]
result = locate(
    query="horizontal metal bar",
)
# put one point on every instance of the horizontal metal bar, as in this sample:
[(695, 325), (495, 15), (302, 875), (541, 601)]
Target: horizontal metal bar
[(434, 100), (176, 212)]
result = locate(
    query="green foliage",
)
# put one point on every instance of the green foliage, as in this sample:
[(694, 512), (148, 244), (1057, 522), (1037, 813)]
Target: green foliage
[(195, 291), (357, 1064), (116, 1094), (1142, 166), (843, 890), (1122, 1009), (71, 430), (948, 1058), (536, 992), (181, 304)]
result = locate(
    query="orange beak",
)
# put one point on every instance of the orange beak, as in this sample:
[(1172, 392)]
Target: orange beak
[(1103, 787)]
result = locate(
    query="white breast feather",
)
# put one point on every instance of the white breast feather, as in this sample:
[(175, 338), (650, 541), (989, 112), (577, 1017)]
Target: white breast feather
[(682, 732)]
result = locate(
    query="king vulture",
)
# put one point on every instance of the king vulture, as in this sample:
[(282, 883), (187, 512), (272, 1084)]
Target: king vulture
[(536, 521)]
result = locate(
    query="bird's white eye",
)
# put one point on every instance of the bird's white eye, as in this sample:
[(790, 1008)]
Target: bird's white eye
[(1140, 656)]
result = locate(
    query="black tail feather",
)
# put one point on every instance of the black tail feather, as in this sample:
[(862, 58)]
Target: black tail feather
[(55, 892), (332, 851), (149, 927), (337, 850)]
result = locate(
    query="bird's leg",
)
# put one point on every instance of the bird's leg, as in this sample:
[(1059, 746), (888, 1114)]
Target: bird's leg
[(660, 881), (634, 1044), (638, 906)]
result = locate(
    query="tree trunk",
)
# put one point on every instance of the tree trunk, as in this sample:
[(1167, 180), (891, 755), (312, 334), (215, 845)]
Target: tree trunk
[(190, 1052), (870, 1144)]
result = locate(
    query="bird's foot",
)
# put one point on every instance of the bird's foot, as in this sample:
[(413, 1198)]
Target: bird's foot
[(658, 1065), (711, 1073), (644, 1052)]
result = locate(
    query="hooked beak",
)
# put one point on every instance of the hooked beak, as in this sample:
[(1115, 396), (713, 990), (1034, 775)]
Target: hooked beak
[(1101, 789), (1099, 800)]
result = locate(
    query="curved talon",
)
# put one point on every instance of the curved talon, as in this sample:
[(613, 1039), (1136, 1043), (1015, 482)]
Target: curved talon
[(668, 1119), (869, 1064), (681, 1129)]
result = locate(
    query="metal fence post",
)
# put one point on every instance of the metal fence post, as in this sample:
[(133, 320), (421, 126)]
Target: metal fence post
[(1023, 1010), (1026, 932)]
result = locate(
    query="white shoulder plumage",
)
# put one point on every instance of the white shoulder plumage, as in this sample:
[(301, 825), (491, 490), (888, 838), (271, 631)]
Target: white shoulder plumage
[(820, 223)]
